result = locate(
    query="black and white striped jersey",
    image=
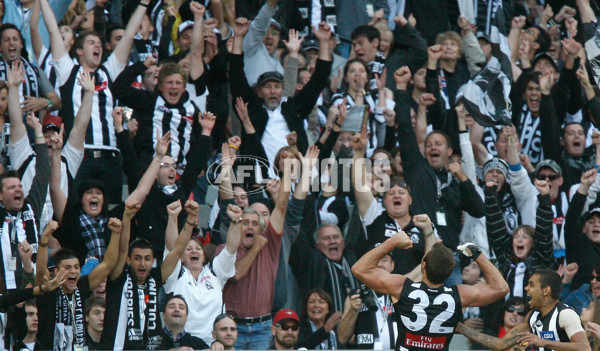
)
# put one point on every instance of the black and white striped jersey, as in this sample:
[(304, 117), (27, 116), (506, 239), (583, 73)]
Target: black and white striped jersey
[(559, 324), (101, 132), (179, 120)]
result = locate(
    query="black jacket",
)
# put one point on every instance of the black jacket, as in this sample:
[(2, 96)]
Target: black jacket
[(580, 249), (295, 110), (422, 178), (186, 340)]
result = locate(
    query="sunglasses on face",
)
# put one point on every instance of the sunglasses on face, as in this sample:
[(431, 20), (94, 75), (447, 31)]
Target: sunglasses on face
[(520, 311), (551, 177), (597, 277), (286, 327)]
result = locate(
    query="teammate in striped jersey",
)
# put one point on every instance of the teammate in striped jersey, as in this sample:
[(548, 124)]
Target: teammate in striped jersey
[(550, 325)]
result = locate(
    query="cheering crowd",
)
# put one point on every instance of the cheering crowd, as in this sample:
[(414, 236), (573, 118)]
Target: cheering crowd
[(389, 173)]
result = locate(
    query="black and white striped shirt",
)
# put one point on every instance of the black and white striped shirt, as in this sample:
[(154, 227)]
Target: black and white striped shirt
[(179, 120), (560, 324), (101, 132)]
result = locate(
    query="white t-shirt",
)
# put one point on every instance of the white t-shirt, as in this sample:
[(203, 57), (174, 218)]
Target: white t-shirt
[(19, 153), (204, 296)]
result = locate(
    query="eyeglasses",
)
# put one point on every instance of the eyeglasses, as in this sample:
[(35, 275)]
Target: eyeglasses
[(168, 165), (551, 177), (286, 327), (520, 311), (597, 277)]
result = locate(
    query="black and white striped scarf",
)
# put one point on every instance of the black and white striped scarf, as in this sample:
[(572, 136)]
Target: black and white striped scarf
[(135, 338), (69, 330), (531, 136), (339, 282), (92, 232), (30, 85)]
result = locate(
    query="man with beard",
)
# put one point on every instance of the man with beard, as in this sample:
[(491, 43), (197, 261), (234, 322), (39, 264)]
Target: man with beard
[(285, 330), (132, 290), (550, 325), (62, 310), (272, 115)]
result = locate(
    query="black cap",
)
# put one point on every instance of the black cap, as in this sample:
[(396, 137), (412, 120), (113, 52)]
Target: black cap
[(269, 76), (310, 44), (545, 55), (482, 35), (591, 212)]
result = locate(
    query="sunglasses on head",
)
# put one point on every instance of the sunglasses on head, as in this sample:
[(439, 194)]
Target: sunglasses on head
[(400, 184), (547, 176), (597, 277), (520, 311), (286, 327)]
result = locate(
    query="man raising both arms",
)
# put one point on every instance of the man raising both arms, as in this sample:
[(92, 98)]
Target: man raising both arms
[(550, 325), (428, 311)]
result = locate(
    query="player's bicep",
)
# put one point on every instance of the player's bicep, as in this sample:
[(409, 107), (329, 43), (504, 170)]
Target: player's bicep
[(476, 295), (393, 284)]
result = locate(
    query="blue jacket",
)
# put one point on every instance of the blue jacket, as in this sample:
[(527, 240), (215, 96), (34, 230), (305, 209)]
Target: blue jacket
[(580, 298)]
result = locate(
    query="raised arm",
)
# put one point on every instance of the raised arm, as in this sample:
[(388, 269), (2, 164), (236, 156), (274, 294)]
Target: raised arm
[(173, 210), (145, 184), (103, 270), (217, 12), (169, 263), (34, 31), (423, 222), (425, 101), (259, 27), (131, 208), (234, 233), (242, 265), (57, 46), (15, 114), (197, 46), (57, 196), (228, 154), (309, 161), (283, 197), (290, 70), (495, 286), (84, 114), (123, 48), (362, 190), (41, 263), (378, 279)]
